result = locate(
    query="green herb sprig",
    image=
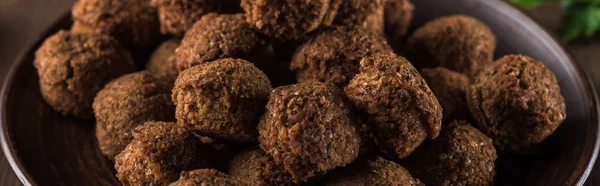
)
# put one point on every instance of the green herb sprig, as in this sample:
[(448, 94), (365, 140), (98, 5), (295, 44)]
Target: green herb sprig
[(581, 19)]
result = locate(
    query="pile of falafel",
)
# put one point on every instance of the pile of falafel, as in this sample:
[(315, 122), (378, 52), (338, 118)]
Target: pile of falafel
[(293, 92)]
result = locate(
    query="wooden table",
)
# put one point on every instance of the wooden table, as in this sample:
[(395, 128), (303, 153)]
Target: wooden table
[(22, 20)]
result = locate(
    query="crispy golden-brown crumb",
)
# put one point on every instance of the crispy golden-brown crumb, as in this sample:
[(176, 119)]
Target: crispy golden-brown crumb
[(366, 14), (259, 168), (289, 20), (334, 55), (218, 36), (127, 102), (373, 170), (208, 177), (73, 67), (133, 23), (401, 109), (158, 152), (459, 43), (516, 101), (222, 99), (309, 128), (462, 155)]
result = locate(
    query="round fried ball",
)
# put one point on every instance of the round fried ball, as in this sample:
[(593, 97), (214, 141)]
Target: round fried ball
[(218, 36), (161, 63), (127, 102), (177, 16), (133, 23), (158, 152), (373, 170), (334, 55), (309, 128), (259, 168), (450, 88), (459, 43), (222, 99), (400, 107), (397, 14), (366, 14), (289, 20), (209, 177), (516, 101), (462, 155), (73, 67)]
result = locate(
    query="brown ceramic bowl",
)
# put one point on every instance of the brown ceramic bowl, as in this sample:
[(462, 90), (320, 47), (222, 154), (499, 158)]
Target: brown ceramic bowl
[(45, 148)]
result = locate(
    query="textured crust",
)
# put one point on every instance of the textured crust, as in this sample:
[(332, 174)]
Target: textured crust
[(366, 14), (462, 155), (209, 177), (258, 168), (398, 15), (125, 103), (222, 99), (289, 20), (309, 128), (177, 16), (159, 152), (375, 171), (133, 23), (73, 67), (516, 101), (459, 43), (218, 36), (161, 63), (334, 55), (450, 88), (401, 109)]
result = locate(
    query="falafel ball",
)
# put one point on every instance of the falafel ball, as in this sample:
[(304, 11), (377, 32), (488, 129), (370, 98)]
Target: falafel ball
[(401, 109), (127, 102), (366, 14), (218, 36), (459, 43), (289, 20), (516, 101), (161, 63), (209, 177), (158, 152), (73, 67), (462, 155), (222, 99), (373, 170), (259, 168), (133, 23), (397, 15), (450, 88), (177, 16), (334, 55), (310, 129)]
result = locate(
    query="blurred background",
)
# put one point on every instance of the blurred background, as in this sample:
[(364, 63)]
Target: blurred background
[(22, 21)]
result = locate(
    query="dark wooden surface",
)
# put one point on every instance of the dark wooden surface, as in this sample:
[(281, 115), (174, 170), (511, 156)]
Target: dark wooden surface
[(21, 21)]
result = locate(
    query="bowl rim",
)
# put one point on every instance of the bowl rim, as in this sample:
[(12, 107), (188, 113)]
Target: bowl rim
[(579, 178), (6, 138), (584, 166)]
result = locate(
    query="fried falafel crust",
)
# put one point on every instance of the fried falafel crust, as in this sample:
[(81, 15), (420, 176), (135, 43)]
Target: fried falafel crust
[(459, 43), (310, 129), (222, 99), (516, 101), (334, 55), (402, 111), (73, 67), (462, 155)]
